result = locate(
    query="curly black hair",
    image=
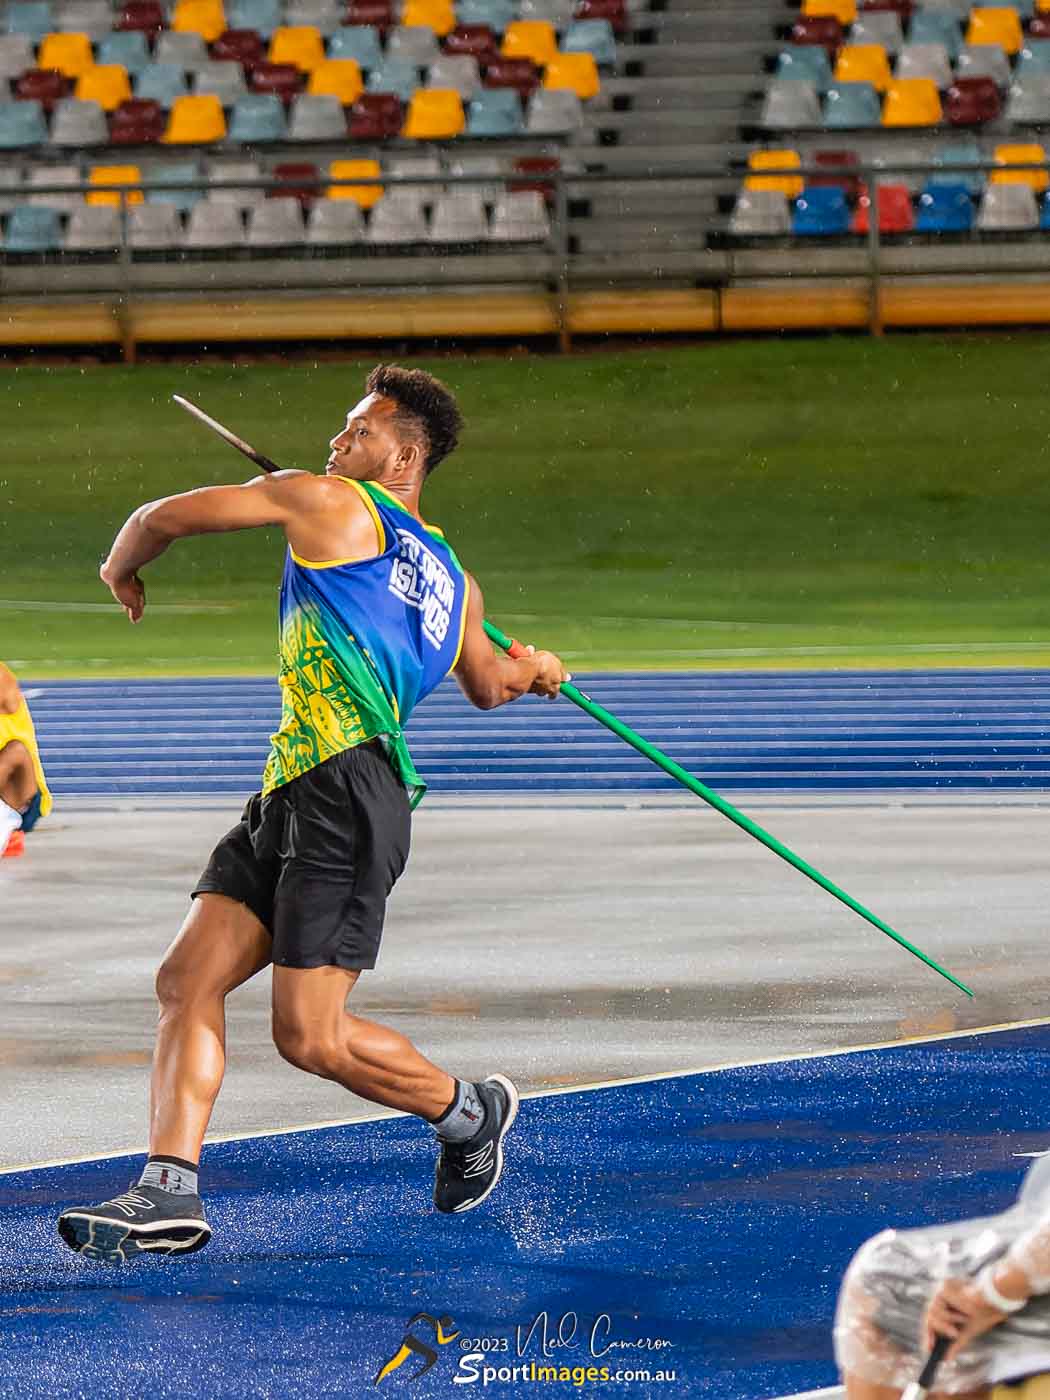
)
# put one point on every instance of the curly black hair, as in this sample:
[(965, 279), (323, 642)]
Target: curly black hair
[(425, 408)]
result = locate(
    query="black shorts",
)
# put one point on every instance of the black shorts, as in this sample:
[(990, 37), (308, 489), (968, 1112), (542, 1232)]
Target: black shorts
[(315, 859)]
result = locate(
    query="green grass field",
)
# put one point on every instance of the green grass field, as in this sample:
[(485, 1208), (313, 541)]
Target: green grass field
[(837, 502)]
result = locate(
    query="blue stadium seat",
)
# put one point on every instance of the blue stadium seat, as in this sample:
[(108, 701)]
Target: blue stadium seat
[(161, 82), (30, 17), (167, 175), (852, 105), (497, 14), (937, 27), (944, 208), (495, 112), (359, 42), (258, 117), (33, 230), (1044, 213), (264, 16), (126, 47), (821, 210), (807, 63), (956, 160), (593, 36), (1034, 57), (394, 75), (22, 124)]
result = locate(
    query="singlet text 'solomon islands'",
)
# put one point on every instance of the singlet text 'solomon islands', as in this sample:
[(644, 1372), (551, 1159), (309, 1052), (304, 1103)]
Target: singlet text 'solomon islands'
[(362, 642)]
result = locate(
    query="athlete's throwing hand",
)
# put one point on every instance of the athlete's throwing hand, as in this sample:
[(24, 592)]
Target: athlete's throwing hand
[(551, 674)]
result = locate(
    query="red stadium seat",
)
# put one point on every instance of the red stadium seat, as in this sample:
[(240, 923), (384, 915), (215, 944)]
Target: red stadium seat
[(242, 46), (137, 122), (284, 79), (615, 11), (518, 73), (375, 116), (379, 13), (43, 85), (841, 168), (288, 173), (972, 101), (1039, 27), (534, 166), (146, 15), (477, 40), (895, 212), (818, 29)]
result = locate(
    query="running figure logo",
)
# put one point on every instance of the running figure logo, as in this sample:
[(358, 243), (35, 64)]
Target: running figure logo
[(413, 1346)]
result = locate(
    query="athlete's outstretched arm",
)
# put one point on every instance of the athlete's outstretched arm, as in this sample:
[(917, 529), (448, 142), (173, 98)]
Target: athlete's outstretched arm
[(489, 678)]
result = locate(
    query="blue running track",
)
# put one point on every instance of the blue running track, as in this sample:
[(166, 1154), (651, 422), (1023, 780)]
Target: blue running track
[(715, 1212), (813, 731)]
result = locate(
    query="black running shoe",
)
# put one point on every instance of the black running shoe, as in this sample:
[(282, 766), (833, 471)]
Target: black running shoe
[(144, 1220), (468, 1171)]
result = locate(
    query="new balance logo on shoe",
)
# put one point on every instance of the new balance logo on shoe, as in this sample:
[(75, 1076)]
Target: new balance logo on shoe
[(479, 1162)]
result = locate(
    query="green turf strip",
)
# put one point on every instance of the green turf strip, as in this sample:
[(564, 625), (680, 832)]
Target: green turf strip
[(832, 502)]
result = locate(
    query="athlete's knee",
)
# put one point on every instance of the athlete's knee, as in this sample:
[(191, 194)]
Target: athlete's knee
[(307, 1048), (13, 756)]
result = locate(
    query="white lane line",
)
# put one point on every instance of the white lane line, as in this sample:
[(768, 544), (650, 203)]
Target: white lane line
[(561, 1089), (835, 1392), (36, 605)]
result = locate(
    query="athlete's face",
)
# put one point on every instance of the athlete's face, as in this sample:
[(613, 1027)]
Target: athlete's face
[(368, 446)]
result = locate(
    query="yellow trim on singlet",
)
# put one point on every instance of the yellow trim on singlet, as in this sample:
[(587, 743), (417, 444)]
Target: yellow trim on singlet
[(462, 621), (436, 529), (376, 521)]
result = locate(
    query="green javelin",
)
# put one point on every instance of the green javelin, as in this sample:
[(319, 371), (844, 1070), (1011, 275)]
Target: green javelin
[(651, 752)]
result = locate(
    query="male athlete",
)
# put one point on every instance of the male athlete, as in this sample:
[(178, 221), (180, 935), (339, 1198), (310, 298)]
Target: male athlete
[(24, 797), (375, 610)]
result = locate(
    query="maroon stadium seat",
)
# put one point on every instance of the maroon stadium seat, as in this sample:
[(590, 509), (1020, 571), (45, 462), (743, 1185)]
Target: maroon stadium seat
[(146, 15), (615, 11), (897, 7), (289, 173), (818, 29), (1039, 27), (518, 73), (841, 170), (139, 121), (972, 101), (478, 40), (534, 166), (282, 78), (375, 116), (379, 13), (43, 85), (895, 212), (242, 46)]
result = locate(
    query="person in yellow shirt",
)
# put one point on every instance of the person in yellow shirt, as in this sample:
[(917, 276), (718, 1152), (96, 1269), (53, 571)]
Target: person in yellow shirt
[(24, 797)]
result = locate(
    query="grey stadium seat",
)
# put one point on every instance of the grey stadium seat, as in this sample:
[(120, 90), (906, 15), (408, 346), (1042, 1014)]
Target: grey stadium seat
[(56, 175), (322, 14), (925, 61), (277, 223), (459, 217), (10, 176), (414, 44), (458, 71), (225, 78), (317, 117), (789, 103), (878, 27), (556, 12), (228, 170), (93, 228), (154, 226), (333, 221), (984, 61), (78, 123), (185, 51), (1030, 99), (1007, 207), (760, 212), (91, 17), (16, 55), (214, 226), (959, 8), (520, 218), (553, 112), (396, 219), (491, 167)]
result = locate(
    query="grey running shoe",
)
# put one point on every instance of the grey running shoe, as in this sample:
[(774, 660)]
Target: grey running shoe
[(468, 1171), (144, 1220)]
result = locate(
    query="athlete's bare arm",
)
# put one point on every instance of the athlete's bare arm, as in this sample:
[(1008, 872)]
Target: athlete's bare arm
[(322, 517), (488, 678), (10, 695)]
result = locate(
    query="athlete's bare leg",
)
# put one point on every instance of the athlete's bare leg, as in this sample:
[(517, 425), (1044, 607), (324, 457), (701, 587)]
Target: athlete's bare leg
[(221, 945), (313, 1030), (17, 778)]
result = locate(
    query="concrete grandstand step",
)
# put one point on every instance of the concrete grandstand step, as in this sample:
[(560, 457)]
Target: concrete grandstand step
[(684, 89), (698, 58)]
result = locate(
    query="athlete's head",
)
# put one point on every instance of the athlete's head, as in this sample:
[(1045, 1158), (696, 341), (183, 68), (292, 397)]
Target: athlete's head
[(405, 425)]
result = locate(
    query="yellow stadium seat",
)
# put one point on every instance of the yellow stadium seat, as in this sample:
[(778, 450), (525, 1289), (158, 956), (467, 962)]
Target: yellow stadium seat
[(203, 17), (912, 102), (530, 38), (437, 15), (434, 113), (195, 119), (365, 195), (105, 83), (70, 54), (996, 25), (576, 72), (114, 175), (300, 44), (845, 11), (337, 77), (790, 185), (1031, 153), (864, 63)]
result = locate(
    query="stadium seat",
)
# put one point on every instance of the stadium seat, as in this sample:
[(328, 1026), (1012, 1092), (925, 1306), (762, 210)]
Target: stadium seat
[(495, 112), (436, 15), (161, 82), (1044, 213), (957, 163), (1029, 101), (553, 113), (154, 227), (780, 160), (21, 125), (1039, 26), (129, 175), (860, 63), (331, 222), (972, 101), (494, 14), (359, 42), (398, 218), (243, 46), (615, 11), (486, 174), (68, 54), (185, 51), (555, 12), (337, 77), (912, 102), (895, 211), (530, 38), (127, 49), (849, 105), (457, 71), (394, 75), (16, 55), (1008, 208), (476, 40), (229, 173), (168, 192), (845, 11), (573, 72), (840, 169), (1030, 153), (91, 17), (317, 117), (282, 79), (520, 217), (878, 27), (106, 84), (536, 172), (223, 77), (1034, 58), (518, 73), (93, 230), (258, 117), (760, 214), (203, 17), (937, 27), (459, 217), (263, 16), (33, 18), (143, 16), (322, 15), (302, 47), (787, 105), (995, 25), (805, 63), (925, 61), (77, 123), (296, 179), (823, 30), (593, 36), (434, 114), (278, 223), (32, 230), (213, 225), (984, 61), (60, 200), (41, 85), (137, 122), (820, 211), (378, 13), (375, 116), (426, 165), (10, 177), (944, 208), (195, 120), (364, 196), (416, 45)]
